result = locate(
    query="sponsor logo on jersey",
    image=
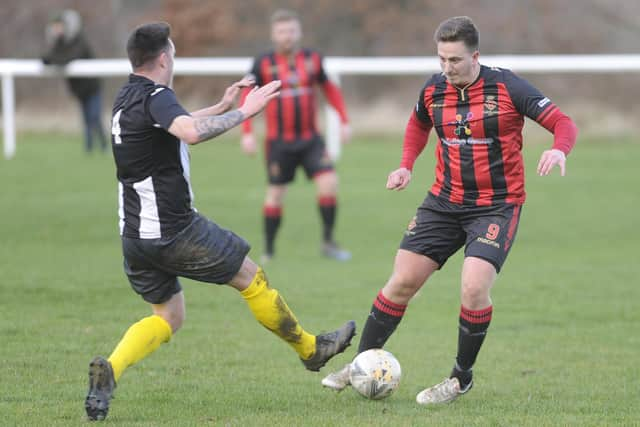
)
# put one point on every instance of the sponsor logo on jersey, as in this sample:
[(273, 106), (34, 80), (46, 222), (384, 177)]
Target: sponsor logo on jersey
[(468, 141), (295, 92), (462, 124)]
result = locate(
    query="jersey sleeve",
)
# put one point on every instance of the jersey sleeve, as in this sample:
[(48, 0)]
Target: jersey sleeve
[(421, 111), (528, 100), (255, 71), (417, 131), (321, 74), (163, 107)]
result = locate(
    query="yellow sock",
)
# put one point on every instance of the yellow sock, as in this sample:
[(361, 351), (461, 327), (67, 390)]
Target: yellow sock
[(270, 309), (141, 339)]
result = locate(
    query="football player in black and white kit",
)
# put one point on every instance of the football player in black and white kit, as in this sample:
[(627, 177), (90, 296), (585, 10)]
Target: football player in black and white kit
[(163, 237)]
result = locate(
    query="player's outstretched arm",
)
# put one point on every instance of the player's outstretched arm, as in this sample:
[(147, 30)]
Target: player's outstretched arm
[(228, 99), (193, 130)]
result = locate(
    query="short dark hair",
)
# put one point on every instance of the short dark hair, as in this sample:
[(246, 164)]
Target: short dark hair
[(284, 15), (458, 28), (147, 42)]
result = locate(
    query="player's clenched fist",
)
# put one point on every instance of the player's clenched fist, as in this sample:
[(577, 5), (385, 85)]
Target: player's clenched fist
[(398, 179)]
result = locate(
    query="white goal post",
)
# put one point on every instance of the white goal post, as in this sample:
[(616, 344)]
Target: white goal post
[(335, 66)]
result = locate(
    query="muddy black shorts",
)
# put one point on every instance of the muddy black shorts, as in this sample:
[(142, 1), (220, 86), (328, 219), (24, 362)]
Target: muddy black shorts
[(202, 251), (283, 159), (440, 228)]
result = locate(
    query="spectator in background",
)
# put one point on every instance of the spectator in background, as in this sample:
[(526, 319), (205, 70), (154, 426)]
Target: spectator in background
[(66, 42)]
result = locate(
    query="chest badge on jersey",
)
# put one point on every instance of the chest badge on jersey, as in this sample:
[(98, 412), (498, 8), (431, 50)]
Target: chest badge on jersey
[(490, 105)]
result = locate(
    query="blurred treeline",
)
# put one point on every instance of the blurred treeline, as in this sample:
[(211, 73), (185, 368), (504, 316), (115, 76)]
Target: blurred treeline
[(346, 28)]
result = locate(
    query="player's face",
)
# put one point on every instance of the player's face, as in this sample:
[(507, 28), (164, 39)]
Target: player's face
[(286, 35), (458, 64)]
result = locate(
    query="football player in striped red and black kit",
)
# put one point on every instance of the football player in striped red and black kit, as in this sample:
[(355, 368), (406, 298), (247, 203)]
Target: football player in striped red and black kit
[(477, 113), (292, 137)]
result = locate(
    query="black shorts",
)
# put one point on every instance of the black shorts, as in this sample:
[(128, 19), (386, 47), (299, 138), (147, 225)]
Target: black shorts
[(283, 158), (440, 228), (201, 251)]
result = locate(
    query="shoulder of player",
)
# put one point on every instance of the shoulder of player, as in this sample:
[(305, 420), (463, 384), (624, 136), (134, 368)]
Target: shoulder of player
[(309, 52), (498, 74), (158, 88), (261, 57), (434, 80)]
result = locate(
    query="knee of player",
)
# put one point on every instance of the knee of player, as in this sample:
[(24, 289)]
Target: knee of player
[(327, 182), (474, 292), (275, 196), (404, 283)]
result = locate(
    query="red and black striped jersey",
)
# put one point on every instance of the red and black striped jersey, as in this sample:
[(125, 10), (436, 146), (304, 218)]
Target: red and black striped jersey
[(292, 116), (479, 159)]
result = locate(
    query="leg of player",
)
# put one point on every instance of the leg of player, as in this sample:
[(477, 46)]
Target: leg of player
[(327, 189), (410, 272), (141, 339), (271, 310), (272, 217), (478, 277)]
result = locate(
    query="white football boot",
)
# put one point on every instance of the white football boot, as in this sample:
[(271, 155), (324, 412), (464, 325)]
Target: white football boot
[(338, 380), (444, 392)]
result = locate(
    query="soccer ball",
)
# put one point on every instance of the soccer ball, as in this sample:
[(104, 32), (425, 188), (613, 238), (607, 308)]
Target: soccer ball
[(375, 374)]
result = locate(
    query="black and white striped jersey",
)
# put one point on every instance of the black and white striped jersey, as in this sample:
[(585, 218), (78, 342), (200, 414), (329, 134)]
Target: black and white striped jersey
[(154, 190)]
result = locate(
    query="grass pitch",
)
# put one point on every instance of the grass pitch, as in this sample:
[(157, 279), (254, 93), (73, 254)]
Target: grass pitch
[(562, 349)]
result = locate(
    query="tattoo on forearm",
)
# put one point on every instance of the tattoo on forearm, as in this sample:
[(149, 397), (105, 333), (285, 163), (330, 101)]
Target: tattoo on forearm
[(211, 126)]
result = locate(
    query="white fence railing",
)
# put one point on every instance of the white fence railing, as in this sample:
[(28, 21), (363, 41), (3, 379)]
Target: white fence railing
[(335, 66)]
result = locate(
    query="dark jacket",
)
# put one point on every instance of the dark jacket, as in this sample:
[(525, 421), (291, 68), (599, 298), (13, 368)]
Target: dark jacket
[(64, 51)]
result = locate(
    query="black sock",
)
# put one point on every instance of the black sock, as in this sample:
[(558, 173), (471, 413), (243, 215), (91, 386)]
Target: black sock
[(382, 321), (328, 207), (272, 219), (471, 332)]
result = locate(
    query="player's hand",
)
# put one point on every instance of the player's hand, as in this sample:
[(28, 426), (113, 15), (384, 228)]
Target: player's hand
[(398, 179), (259, 97), (345, 134), (249, 145), (231, 93), (549, 159)]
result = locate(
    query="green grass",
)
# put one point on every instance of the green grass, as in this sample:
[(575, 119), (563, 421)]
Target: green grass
[(562, 350)]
